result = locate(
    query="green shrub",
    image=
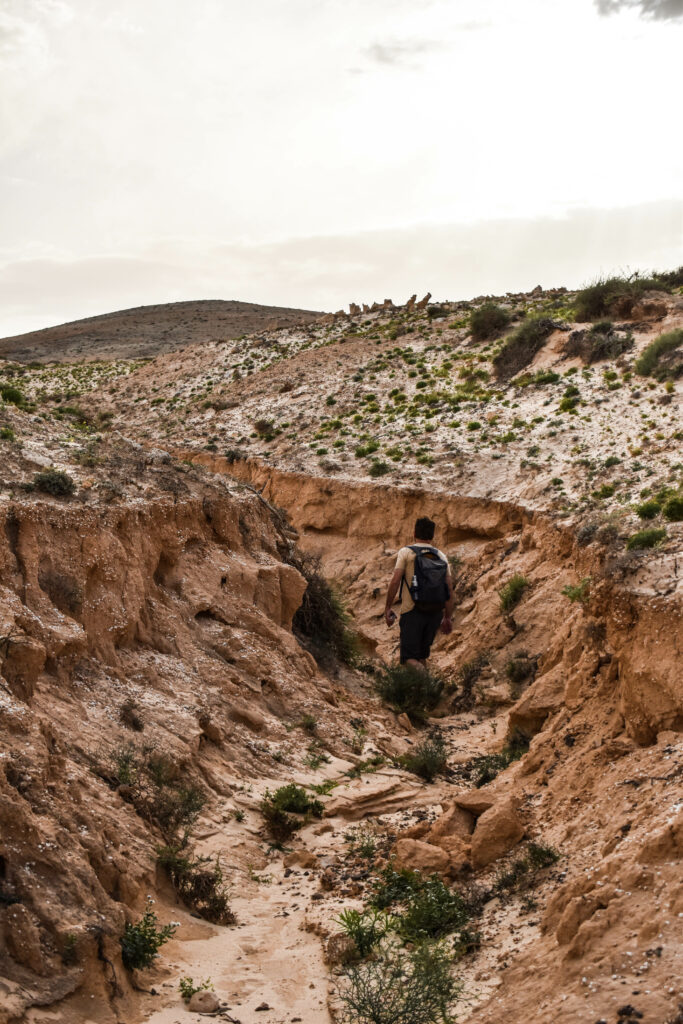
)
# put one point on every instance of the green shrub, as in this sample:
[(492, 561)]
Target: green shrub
[(612, 296), (486, 767), (378, 468), (661, 359), (366, 929), (489, 321), (199, 883), (580, 592), (427, 759), (55, 482), (322, 618), (511, 594), (406, 688), (649, 509), (279, 810), (522, 345), (432, 910), (519, 669), (12, 395), (188, 988), (401, 987), (393, 886), (650, 538), (673, 509), (520, 873), (601, 342), (141, 941), (7, 434)]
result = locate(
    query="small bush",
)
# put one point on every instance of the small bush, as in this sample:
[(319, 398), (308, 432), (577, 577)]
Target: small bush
[(401, 987), (7, 434), (322, 618), (649, 509), (265, 429), (378, 468), (199, 883), (519, 669), (489, 321), (520, 873), (601, 342), (511, 594), (661, 359), (366, 929), (673, 509), (188, 988), (612, 296), (427, 759), (55, 482), (141, 942), (129, 714), (486, 767), (409, 689), (279, 810), (432, 910), (650, 538), (522, 345), (12, 395), (580, 592)]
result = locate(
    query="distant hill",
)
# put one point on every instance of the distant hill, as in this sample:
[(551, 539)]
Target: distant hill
[(148, 331)]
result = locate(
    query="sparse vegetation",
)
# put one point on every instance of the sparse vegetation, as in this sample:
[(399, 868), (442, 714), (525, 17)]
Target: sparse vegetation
[(487, 766), (401, 987), (661, 358), (521, 872), (129, 713), (522, 345), (141, 942), (613, 296), (188, 988), (55, 482), (427, 759), (579, 592), (322, 618), (513, 591), (286, 810), (198, 881), (489, 321), (650, 538), (406, 688), (366, 928), (602, 341)]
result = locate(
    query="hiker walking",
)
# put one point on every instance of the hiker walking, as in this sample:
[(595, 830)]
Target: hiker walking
[(422, 581)]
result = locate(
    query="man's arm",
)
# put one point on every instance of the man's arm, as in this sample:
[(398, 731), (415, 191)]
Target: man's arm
[(447, 620), (394, 584)]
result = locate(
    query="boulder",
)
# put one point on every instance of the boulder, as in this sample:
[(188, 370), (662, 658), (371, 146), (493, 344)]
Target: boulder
[(419, 856), (300, 858), (497, 831), (476, 801), (204, 1002), (459, 852), (455, 821)]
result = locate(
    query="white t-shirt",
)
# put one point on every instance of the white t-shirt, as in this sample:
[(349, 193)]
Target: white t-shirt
[(405, 560)]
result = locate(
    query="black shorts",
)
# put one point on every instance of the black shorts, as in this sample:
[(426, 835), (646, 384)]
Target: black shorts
[(418, 630)]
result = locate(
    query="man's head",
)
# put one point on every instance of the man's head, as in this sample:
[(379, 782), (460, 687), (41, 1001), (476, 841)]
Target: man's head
[(424, 529)]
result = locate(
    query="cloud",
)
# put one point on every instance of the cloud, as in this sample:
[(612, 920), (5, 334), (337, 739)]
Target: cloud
[(399, 53), (454, 261), (659, 10)]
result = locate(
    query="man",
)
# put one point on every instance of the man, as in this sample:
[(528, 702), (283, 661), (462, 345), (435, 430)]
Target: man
[(423, 576)]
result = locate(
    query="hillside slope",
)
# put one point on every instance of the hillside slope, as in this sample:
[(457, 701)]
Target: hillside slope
[(146, 331)]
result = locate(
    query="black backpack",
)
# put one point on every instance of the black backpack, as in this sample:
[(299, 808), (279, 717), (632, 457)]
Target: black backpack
[(428, 587)]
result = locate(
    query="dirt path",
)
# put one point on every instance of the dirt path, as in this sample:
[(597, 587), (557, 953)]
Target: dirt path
[(274, 955)]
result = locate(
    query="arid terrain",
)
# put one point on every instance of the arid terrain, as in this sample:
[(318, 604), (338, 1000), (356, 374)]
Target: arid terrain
[(146, 331), (173, 657)]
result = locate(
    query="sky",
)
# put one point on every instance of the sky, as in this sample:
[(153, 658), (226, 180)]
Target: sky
[(316, 152)]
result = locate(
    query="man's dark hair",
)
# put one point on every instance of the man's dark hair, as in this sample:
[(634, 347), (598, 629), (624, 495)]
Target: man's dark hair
[(424, 528)]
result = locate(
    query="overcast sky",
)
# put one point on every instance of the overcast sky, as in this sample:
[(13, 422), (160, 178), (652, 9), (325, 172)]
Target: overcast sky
[(314, 152)]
